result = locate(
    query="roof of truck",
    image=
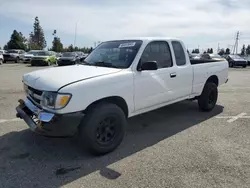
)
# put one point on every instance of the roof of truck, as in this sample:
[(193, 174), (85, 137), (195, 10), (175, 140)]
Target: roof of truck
[(147, 38), (151, 38)]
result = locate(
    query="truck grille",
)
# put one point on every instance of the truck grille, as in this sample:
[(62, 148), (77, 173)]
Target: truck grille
[(35, 95)]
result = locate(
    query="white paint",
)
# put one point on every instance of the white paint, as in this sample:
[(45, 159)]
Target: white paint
[(234, 118), (9, 120)]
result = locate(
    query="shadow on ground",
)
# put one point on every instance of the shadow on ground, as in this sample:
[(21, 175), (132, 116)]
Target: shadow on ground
[(29, 160)]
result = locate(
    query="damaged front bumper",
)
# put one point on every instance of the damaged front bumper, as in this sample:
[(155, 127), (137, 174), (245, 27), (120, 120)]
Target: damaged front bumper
[(47, 123)]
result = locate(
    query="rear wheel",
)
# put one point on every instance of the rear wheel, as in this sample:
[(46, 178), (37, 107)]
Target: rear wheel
[(17, 60), (244, 66), (1, 61), (103, 128), (209, 96)]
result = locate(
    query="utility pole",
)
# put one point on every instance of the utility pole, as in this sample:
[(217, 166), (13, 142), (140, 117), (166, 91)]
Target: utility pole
[(236, 43), (75, 35)]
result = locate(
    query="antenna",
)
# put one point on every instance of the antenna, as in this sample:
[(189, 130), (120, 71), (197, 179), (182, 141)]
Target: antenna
[(236, 43)]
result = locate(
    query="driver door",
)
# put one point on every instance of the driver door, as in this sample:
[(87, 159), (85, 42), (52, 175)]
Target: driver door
[(153, 87)]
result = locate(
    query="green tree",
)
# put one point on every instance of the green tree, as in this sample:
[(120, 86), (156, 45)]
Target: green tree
[(211, 51), (227, 51), (37, 39), (221, 52), (248, 50), (90, 50), (57, 45), (70, 48), (243, 50), (17, 41)]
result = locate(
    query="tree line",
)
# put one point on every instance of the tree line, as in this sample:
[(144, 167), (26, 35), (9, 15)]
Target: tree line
[(244, 51), (36, 41)]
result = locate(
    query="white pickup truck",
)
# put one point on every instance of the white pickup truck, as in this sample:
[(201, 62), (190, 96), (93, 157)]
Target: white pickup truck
[(118, 80)]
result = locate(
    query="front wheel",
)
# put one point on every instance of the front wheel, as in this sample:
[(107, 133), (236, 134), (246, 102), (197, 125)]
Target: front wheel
[(209, 96), (1, 61), (244, 66), (17, 60), (231, 64), (103, 128)]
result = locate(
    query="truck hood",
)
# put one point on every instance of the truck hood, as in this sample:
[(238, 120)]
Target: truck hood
[(52, 79)]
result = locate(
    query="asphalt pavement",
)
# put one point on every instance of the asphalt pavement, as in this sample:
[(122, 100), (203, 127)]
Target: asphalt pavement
[(175, 146)]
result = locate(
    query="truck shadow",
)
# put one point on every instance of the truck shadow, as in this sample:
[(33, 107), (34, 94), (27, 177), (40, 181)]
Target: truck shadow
[(30, 160)]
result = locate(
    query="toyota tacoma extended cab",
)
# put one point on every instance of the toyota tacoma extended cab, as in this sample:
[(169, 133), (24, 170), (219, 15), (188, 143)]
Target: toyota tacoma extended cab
[(119, 79)]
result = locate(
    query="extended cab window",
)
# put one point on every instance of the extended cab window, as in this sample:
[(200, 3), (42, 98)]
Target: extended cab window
[(179, 53), (158, 51)]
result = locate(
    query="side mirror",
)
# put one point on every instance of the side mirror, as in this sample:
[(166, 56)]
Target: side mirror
[(148, 65)]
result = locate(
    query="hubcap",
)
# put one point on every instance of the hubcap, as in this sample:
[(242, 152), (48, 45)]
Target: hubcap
[(106, 131)]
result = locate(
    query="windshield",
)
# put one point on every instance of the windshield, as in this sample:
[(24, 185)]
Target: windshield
[(41, 53), (31, 52), (68, 54), (235, 57), (13, 51), (118, 54)]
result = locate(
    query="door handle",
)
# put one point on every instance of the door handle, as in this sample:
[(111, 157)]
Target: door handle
[(172, 75)]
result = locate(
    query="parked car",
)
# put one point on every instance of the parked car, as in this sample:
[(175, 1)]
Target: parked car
[(1, 58), (68, 58), (26, 58), (43, 58), (13, 55), (212, 57), (247, 58), (236, 60), (194, 56), (81, 55), (95, 98)]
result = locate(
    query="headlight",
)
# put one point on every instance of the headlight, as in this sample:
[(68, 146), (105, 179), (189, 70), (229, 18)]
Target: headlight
[(55, 100)]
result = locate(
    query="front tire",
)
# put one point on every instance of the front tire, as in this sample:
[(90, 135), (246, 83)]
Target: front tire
[(244, 66), (103, 128), (1, 61), (231, 64), (17, 60), (208, 98)]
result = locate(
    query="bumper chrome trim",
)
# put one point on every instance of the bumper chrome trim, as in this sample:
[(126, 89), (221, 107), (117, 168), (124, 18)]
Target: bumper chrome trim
[(42, 116)]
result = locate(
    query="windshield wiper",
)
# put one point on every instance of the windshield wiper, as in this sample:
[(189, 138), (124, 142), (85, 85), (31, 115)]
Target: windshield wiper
[(105, 64)]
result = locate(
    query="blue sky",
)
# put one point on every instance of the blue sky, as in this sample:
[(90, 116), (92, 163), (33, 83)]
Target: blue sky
[(198, 22)]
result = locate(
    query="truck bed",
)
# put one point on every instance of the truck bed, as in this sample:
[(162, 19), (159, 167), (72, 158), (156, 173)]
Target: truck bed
[(201, 61), (203, 69)]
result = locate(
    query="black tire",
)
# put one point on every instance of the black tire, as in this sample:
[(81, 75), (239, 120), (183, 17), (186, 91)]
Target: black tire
[(97, 132), (244, 66), (1, 61), (231, 64), (17, 60), (4, 61), (208, 98)]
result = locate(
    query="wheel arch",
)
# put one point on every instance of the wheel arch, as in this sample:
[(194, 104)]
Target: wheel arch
[(119, 101), (213, 79)]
